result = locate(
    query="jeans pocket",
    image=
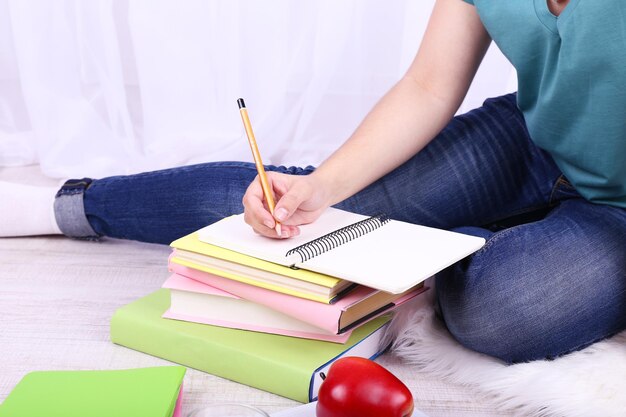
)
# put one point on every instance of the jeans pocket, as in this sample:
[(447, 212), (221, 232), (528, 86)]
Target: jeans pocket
[(563, 190)]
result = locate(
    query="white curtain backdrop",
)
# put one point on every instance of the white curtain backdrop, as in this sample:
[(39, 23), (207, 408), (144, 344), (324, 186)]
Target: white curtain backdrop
[(102, 87)]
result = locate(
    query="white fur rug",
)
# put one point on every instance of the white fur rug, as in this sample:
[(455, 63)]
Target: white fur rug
[(587, 383)]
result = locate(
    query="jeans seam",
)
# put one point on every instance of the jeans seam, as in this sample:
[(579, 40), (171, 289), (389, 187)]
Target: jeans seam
[(555, 187), (524, 210), (235, 164), (72, 191), (495, 238), (581, 346), (68, 183)]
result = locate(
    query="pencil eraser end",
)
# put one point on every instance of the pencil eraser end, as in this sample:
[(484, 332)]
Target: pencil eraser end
[(241, 104)]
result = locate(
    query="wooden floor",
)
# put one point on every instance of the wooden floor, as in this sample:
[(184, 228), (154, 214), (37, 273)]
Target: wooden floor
[(57, 296)]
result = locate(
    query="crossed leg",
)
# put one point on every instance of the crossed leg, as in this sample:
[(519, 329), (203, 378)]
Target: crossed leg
[(541, 289)]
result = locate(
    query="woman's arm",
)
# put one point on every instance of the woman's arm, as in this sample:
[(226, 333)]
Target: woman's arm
[(409, 116)]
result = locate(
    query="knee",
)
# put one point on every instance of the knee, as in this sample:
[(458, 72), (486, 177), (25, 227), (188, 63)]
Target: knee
[(522, 298), (518, 314), (490, 311)]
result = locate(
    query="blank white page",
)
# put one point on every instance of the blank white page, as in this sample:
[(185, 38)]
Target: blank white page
[(392, 258), (396, 256)]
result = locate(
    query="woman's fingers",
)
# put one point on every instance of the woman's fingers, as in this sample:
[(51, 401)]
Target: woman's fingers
[(255, 212), (296, 204)]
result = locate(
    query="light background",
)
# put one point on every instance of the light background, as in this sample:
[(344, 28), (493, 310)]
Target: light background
[(102, 87)]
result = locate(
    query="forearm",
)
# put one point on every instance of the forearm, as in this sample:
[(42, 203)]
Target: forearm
[(400, 125), (417, 108)]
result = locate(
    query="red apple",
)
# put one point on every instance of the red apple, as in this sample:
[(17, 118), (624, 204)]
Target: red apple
[(359, 387)]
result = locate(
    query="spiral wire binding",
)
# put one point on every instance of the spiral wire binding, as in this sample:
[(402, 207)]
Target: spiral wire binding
[(338, 237)]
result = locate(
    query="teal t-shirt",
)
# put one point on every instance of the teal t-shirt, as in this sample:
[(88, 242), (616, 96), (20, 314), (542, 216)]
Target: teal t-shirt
[(571, 85)]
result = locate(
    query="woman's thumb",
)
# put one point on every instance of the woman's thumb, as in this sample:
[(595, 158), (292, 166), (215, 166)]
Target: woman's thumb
[(288, 204)]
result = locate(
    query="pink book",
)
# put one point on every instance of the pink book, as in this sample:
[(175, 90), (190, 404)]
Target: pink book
[(355, 308), (178, 408), (196, 302)]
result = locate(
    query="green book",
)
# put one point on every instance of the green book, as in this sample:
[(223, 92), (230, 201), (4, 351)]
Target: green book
[(143, 392), (283, 365)]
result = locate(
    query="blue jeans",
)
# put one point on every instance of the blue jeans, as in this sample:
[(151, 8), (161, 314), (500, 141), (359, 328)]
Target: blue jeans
[(550, 279)]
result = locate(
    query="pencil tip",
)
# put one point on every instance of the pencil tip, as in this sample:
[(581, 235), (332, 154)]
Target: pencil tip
[(241, 104)]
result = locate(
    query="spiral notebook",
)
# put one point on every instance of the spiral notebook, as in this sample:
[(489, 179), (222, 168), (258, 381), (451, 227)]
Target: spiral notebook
[(377, 252)]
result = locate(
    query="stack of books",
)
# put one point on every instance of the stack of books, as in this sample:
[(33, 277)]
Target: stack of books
[(275, 313)]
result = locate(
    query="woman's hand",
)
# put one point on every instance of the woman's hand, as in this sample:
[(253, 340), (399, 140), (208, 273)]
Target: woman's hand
[(300, 199)]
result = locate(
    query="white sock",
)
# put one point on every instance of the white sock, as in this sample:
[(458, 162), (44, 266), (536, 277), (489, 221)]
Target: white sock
[(27, 210)]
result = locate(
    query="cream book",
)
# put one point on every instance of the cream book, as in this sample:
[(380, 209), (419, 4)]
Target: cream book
[(377, 252), (193, 301)]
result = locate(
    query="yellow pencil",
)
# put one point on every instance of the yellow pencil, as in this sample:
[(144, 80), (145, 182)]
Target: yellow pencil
[(267, 192)]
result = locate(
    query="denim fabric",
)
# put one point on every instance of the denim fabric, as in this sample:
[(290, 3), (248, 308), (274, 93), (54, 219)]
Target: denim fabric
[(69, 210), (551, 277)]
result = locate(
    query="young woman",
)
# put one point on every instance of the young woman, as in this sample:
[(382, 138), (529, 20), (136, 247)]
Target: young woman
[(540, 174)]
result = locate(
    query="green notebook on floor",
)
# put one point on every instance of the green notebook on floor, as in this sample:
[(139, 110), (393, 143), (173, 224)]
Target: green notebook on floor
[(143, 392), (284, 365)]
